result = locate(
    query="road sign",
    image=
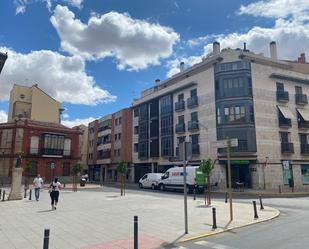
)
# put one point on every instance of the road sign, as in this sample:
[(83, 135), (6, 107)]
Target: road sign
[(52, 165), (286, 165), (224, 143), (188, 151)]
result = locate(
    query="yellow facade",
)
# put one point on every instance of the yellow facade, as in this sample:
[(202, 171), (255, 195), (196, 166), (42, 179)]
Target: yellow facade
[(33, 103)]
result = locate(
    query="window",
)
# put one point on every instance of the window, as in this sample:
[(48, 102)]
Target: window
[(194, 139), (136, 147), (166, 125), (234, 114), (180, 97), (166, 104), (116, 122), (193, 92), (298, 90), (287, 172), (67, 147), (136, 112), (119, 136), (305, 173), (284, 136), (166, 146), (194, 116), (136, 130), (115, 137), (32, 168), (119, 120), (181, 119), (54, 144), (66, 169), (181, 139), (280, 87), (34, 145)]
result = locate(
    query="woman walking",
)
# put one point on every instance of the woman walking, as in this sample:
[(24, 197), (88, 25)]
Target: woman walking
[(54, 193)]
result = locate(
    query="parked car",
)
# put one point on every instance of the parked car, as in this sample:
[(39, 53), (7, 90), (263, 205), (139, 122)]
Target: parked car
[(173, 179), (150, 180)]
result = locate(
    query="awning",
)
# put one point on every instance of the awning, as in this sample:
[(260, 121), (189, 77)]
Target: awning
[(286, 112), (304, 113)]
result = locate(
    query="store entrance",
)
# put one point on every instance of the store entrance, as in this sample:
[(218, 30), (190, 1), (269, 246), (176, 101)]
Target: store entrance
[(240, 174)]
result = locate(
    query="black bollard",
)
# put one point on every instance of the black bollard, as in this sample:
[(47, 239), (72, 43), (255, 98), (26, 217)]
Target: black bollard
[(135, 232), (64, 185), (214, 220), (261, 203), (225, 197), (30, 194), (255, 211), (194, 193), (25, 194), (3, 195), (280, 189), (0, 192), (46, 239)]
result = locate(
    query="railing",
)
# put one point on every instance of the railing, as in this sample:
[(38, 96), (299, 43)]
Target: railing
[(303, 124), (285, 122), (180, 105), (242, 147), (287, 148), (180, 128), (282, 96), (301, 99), (53, 152), (193, 125), (304, 148), (192, 102)]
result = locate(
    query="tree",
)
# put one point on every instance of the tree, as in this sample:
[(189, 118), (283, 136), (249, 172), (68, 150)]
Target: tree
[(206, 166), (77, 168), (122, 169)]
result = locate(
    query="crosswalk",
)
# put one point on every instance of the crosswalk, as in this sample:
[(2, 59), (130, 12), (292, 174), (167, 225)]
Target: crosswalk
[(203, 244)]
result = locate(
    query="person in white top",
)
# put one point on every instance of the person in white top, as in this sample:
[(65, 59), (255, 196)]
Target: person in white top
[(54, 192), (38, 181)]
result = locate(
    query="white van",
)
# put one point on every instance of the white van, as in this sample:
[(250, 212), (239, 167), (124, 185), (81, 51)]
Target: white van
[(150, 180), (173, 179)]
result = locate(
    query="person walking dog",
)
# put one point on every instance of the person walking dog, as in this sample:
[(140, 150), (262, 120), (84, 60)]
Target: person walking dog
[(54, 192), (38, 181)]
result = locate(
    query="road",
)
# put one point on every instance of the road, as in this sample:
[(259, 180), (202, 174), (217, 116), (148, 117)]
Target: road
[(288, 231)]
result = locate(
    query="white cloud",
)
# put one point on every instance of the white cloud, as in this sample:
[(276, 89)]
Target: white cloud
[(173, 65), (3, 116), (135, 44), (75, 122), (75, 3), (63, 77), (65, 115), (198, 41)]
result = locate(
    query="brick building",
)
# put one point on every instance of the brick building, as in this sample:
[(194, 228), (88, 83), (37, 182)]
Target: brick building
[(42, 145)]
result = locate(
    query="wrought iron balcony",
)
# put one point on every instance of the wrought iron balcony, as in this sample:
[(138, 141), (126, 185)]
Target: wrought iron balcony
[(287, 148), (180, 106), (193, 125), (301, 99), (304, 148), (180, 128), (192, 102), (282, 96), (303, 124), (52, 152), (285, 122)]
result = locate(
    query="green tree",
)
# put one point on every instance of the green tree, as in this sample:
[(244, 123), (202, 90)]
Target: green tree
[(77, 168), (122, 169), (207, 166)]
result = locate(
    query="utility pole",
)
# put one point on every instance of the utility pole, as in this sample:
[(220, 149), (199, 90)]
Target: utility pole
[(229, 176), (185, 186)]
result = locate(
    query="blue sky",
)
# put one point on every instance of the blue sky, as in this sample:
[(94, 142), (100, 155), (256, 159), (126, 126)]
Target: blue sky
[(97, 55)]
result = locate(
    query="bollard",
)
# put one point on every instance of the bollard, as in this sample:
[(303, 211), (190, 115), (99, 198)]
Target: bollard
[(30, 194), (64, 185), (280, 189), (0, 192), (46, 239), (25, 194), (135, 232), (214, 220), (3, 195), (255, 211), (194, 193), (225, 197), (261, 203)]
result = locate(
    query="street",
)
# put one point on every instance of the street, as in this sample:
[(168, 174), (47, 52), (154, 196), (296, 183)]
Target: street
[(288, 231)]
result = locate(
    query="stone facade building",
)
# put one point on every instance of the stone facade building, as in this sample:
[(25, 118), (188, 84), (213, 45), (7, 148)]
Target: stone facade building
[(235, 93)]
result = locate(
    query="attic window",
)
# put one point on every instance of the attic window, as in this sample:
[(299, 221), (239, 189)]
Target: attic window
[(22, 96)]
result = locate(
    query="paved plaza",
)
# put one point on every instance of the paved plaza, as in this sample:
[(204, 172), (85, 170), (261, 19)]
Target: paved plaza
[(104, 219)]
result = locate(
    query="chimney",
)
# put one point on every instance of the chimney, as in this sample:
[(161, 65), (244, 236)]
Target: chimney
[(302, 58), (216, 48), (182, 66), (273, 50), (157, 81)]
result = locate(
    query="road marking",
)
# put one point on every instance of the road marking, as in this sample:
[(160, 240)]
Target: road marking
[(213, 245)]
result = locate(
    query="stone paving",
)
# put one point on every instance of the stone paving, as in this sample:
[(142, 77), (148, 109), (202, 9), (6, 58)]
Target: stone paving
[(89, 219)]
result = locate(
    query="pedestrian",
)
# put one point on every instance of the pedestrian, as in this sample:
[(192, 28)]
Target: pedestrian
[(54, 192), (38, 181)]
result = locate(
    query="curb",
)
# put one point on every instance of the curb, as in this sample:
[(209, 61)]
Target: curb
[(228, 229)]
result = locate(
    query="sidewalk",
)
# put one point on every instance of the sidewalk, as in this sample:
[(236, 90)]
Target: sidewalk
[(104, 220)]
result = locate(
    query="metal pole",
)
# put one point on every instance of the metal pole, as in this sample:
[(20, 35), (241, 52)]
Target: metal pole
[(30, 194), (0, 192), (261, 203), (185, 187), (3, 195), (135, 232), (214, 220), (229, 176), (25, 195), (194, 193), (226, 197), (46, 239), (255, 211), (264, 176)]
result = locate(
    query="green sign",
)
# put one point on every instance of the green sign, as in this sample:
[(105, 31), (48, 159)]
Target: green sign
[(240, 162), (199, 177)]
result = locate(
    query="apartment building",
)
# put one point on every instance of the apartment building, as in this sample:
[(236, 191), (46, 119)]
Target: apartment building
[(3, 57), (33, 103), (50, 149), (235, 93), (109, 142)]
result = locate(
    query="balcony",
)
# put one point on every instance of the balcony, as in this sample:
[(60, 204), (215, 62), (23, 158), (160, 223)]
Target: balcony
[(180, 128), (304, 148), (287, 148), (242, 147), (192, 102), (195, 149), (285, 122), (282, 96), (55, 152), (301, 99), (180, 106), (193, 126), (303, 125)]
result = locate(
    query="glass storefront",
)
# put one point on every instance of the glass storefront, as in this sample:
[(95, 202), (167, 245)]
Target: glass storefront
[(305, 173)]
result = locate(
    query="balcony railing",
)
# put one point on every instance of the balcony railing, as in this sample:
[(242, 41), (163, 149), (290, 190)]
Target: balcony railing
[(180, 128), (193, 125), (242, 147), (301, 99), (304, 148), (192, 102), (283, 96), (180, 106), (285, 122), (55, 152), (287, 148), (303, 124), (195, 149)]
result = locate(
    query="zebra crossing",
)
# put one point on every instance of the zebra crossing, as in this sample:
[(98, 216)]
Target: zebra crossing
[(203, 244)]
